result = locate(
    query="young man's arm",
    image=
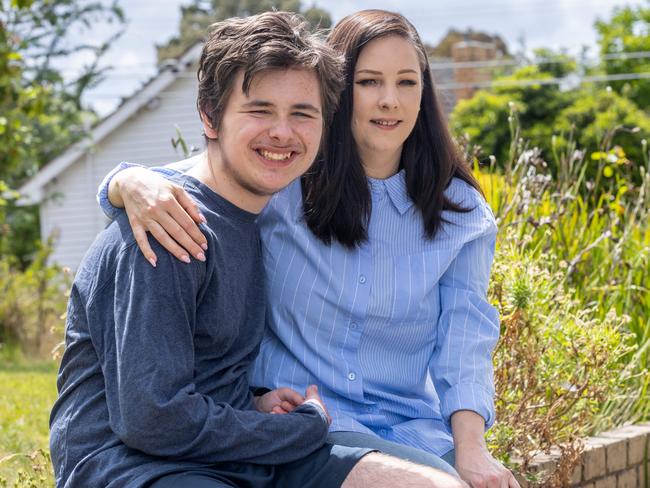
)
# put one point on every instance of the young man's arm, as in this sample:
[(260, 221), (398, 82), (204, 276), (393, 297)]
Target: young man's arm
[(146, 346)]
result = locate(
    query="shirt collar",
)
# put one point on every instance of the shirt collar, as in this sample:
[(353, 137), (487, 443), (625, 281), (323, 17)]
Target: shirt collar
[(395, 186)]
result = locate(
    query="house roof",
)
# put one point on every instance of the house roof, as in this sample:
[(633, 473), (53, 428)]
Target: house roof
[(32, 191)]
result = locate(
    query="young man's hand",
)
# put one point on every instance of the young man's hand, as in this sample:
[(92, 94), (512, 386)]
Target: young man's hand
[(282, 400), (285, 400)]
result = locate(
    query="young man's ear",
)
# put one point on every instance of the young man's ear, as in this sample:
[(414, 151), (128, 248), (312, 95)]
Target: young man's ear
[(209, 132)]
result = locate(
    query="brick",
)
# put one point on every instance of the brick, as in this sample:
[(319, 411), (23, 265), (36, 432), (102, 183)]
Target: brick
[(615, 452), (594, 461), (576, 476), (640, 474), (543, 463), (637, 438), (608, 482), (627, 479)]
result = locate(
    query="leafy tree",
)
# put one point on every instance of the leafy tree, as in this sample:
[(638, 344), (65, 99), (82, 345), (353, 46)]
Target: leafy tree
[(597, 119), (485, 117), (196, 17), (40, 110), (627, 31)]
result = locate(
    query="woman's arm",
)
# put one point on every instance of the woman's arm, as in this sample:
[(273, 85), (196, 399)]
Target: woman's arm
[(468, 329), (156, 205)]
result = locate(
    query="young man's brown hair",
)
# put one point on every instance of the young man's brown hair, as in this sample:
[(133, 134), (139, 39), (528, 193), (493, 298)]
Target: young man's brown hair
[(268, 41)]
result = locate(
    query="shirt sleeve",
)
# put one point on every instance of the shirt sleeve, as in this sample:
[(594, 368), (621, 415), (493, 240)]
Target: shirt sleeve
[(468, 329), (147, 358), (102, 191)]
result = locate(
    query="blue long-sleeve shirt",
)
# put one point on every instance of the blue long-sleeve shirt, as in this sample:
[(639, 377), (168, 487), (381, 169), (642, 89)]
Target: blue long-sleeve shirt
[(397, 333), (154, 375)]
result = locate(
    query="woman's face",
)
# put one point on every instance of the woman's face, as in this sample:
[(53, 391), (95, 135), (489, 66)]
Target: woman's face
[(386, 99)]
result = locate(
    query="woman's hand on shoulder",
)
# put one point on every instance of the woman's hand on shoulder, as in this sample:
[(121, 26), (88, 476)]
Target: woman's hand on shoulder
[(156, 205)]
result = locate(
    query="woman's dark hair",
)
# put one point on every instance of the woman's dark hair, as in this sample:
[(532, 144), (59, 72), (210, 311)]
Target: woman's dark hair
[(336, 193)]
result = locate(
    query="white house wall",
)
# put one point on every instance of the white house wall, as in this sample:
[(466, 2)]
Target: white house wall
[(71, 211)]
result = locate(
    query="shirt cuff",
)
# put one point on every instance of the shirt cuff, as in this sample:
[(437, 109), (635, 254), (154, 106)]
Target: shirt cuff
[(102, 192), (468, 396), (316, 406)]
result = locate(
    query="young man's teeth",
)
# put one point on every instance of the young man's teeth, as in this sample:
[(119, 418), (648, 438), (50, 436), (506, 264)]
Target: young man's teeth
[(275, 156)]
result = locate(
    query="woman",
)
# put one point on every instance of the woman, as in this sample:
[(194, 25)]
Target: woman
[(377, 263)]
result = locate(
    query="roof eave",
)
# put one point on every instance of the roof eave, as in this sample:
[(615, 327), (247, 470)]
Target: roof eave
[(32, 191)]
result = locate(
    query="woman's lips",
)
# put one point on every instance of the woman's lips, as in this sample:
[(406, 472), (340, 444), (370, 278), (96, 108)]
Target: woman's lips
[(386, 124)]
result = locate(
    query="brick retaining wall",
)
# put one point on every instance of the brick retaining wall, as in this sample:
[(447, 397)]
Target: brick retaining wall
[(613, 459)]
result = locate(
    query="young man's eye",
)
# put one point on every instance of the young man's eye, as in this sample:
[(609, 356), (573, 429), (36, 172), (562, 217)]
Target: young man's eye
[(259, 112), (303, 115)]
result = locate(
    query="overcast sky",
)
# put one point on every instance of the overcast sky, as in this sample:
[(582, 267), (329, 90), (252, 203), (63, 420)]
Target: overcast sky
[(538, 23)]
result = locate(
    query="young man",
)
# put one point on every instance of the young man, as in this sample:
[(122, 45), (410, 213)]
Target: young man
[(153, 383)]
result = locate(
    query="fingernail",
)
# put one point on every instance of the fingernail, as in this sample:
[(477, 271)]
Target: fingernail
[(202, 217), (153, 262), (204, 246), (200, 256), (185, 258)]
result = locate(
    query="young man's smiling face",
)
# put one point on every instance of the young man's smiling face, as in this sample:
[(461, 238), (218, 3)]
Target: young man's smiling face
[(267, 137)]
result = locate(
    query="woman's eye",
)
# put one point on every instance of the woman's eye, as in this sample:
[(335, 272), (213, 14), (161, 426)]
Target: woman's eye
[(367, 82), (408, 82)]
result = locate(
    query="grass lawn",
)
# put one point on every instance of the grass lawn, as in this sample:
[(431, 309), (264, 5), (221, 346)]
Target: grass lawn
[(28, 392)]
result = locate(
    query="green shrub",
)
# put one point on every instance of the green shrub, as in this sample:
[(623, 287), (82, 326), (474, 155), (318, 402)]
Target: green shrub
[(32, 303), (571, 280)]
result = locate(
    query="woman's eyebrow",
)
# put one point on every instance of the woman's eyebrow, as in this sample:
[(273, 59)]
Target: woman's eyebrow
[(375, 72), (369, 71)]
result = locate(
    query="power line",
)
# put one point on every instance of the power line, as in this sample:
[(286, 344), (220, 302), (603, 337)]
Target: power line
[(496, 63), (435, 66), (569, 80)]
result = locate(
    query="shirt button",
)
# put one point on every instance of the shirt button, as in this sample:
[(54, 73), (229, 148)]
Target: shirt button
[(352, 376), (369, 408), (362, 279), (353, 325), (383, 432)]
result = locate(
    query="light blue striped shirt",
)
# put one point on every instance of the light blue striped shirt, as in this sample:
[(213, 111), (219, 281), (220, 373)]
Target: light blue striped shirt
[(397, 333)]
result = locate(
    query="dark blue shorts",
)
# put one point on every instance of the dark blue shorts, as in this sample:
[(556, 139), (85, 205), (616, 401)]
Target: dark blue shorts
[(325, 468)]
